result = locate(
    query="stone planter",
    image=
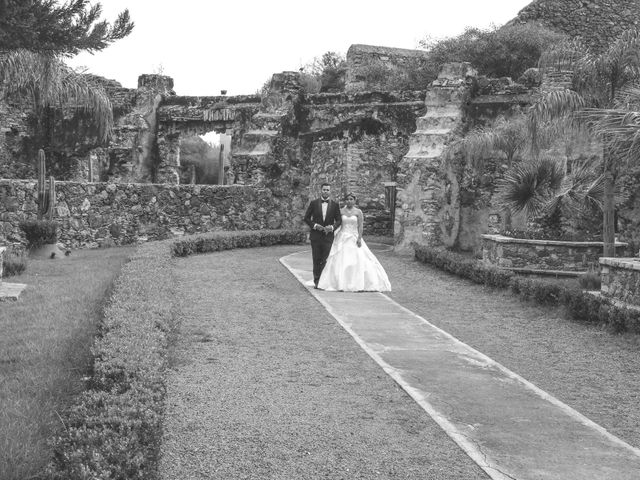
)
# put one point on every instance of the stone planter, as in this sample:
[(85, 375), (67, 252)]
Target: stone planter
[(620, 279), (540, 256)]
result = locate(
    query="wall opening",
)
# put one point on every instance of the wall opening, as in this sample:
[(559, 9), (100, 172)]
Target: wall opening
[(205, 159)]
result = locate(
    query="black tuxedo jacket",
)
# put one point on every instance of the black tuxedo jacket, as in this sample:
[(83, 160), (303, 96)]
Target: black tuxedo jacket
[(313, 215)]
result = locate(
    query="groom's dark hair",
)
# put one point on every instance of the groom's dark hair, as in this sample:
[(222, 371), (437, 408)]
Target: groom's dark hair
[(325, 183)]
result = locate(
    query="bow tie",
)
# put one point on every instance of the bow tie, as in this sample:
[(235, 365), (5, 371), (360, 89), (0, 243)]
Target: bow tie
[(324, 201)]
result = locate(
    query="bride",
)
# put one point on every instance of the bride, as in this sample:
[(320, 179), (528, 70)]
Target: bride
[(351, 267)]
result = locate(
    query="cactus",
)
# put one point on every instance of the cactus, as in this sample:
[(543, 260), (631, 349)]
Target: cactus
[(41, 186), (46, 196), (51, 198)]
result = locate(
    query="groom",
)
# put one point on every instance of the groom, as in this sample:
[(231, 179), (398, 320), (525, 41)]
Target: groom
[(323, 217)]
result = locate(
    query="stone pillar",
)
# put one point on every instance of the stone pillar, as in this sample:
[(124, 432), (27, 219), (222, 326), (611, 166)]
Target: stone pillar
[(422, 178)]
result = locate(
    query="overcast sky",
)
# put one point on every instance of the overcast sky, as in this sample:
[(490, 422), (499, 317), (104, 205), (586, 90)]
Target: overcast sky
[(207, 45)]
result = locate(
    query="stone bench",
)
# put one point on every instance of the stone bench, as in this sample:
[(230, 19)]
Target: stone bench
[(542, 255), (620, 279)]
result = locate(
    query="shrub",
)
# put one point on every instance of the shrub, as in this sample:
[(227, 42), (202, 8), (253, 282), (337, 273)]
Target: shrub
[(498, 52), (13, 263), (381, 76), (216, 241), (590, 280), (114, 430), (579, 305), (39, 232)]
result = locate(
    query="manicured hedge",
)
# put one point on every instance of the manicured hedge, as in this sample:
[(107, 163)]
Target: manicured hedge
[(579, 305), (216, 241), (115, 428)]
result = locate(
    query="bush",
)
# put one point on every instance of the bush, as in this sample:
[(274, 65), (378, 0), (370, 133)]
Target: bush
[(39, 232), (216, 241), (114, 430), (579, 305), (13, 263), (498, 52), (590, 280)]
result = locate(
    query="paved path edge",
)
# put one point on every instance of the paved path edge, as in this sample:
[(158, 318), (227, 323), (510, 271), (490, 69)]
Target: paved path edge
[(470, 448)]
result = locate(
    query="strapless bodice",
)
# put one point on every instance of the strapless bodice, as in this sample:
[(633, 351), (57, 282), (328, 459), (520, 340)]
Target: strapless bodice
[(350, 224)]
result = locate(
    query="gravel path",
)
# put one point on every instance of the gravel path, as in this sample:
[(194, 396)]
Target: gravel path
[(267, 385)]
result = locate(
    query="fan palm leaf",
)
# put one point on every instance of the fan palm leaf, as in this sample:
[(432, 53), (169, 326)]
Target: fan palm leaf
[(49, 83), (528, 187)]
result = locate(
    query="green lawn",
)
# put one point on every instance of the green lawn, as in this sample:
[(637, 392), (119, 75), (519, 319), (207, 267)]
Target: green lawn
[(45, 350)]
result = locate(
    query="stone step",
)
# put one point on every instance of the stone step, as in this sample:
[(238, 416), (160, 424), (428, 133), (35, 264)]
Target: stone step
[(261, 133), (255, 153), (446, 110), (268, 120), (423, 154), (432, 131), (436, 122)]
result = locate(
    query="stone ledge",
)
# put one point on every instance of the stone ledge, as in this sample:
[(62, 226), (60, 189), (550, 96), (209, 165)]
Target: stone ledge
[(548, 273), (615, 301), (628, 263), (503, 239)]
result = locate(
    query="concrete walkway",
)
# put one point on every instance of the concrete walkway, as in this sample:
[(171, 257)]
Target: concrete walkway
[(508, 426)]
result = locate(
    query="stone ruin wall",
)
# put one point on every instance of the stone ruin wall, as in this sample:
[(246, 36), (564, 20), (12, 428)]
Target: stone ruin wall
[(104, 214), (363, 60), (597, 22)]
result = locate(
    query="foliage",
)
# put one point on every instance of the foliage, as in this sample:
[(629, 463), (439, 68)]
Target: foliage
[(13, 263), (198, 154), (39, 232), (590, 280), (329, 69), (114, 430), (216, 241), (381, 76), (597, 82), (46, 347), (48, 83), (44, 26), (508, 136), (579, 305), (310, 83), (497, 52)]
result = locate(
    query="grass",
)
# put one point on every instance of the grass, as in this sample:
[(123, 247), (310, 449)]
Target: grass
[(45, 350)]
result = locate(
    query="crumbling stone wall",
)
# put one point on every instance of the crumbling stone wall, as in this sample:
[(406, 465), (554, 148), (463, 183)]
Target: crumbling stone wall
[(371, 67), (598, 22), (14, 127), (93, 214)]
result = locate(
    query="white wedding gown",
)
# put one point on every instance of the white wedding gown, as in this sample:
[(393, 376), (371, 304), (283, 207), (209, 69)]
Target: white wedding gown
[(350, 268)]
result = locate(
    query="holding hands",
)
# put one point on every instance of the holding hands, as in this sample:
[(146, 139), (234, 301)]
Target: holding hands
[(327, 229)]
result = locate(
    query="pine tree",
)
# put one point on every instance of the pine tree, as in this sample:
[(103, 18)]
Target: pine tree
[(65, 29)]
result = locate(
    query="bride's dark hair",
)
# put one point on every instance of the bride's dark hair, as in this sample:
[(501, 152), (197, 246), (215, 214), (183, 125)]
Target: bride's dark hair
[(350, 195)]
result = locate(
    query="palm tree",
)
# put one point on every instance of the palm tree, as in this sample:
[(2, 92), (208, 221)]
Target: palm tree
[(544, 188), (597, 80), (48, 84)]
